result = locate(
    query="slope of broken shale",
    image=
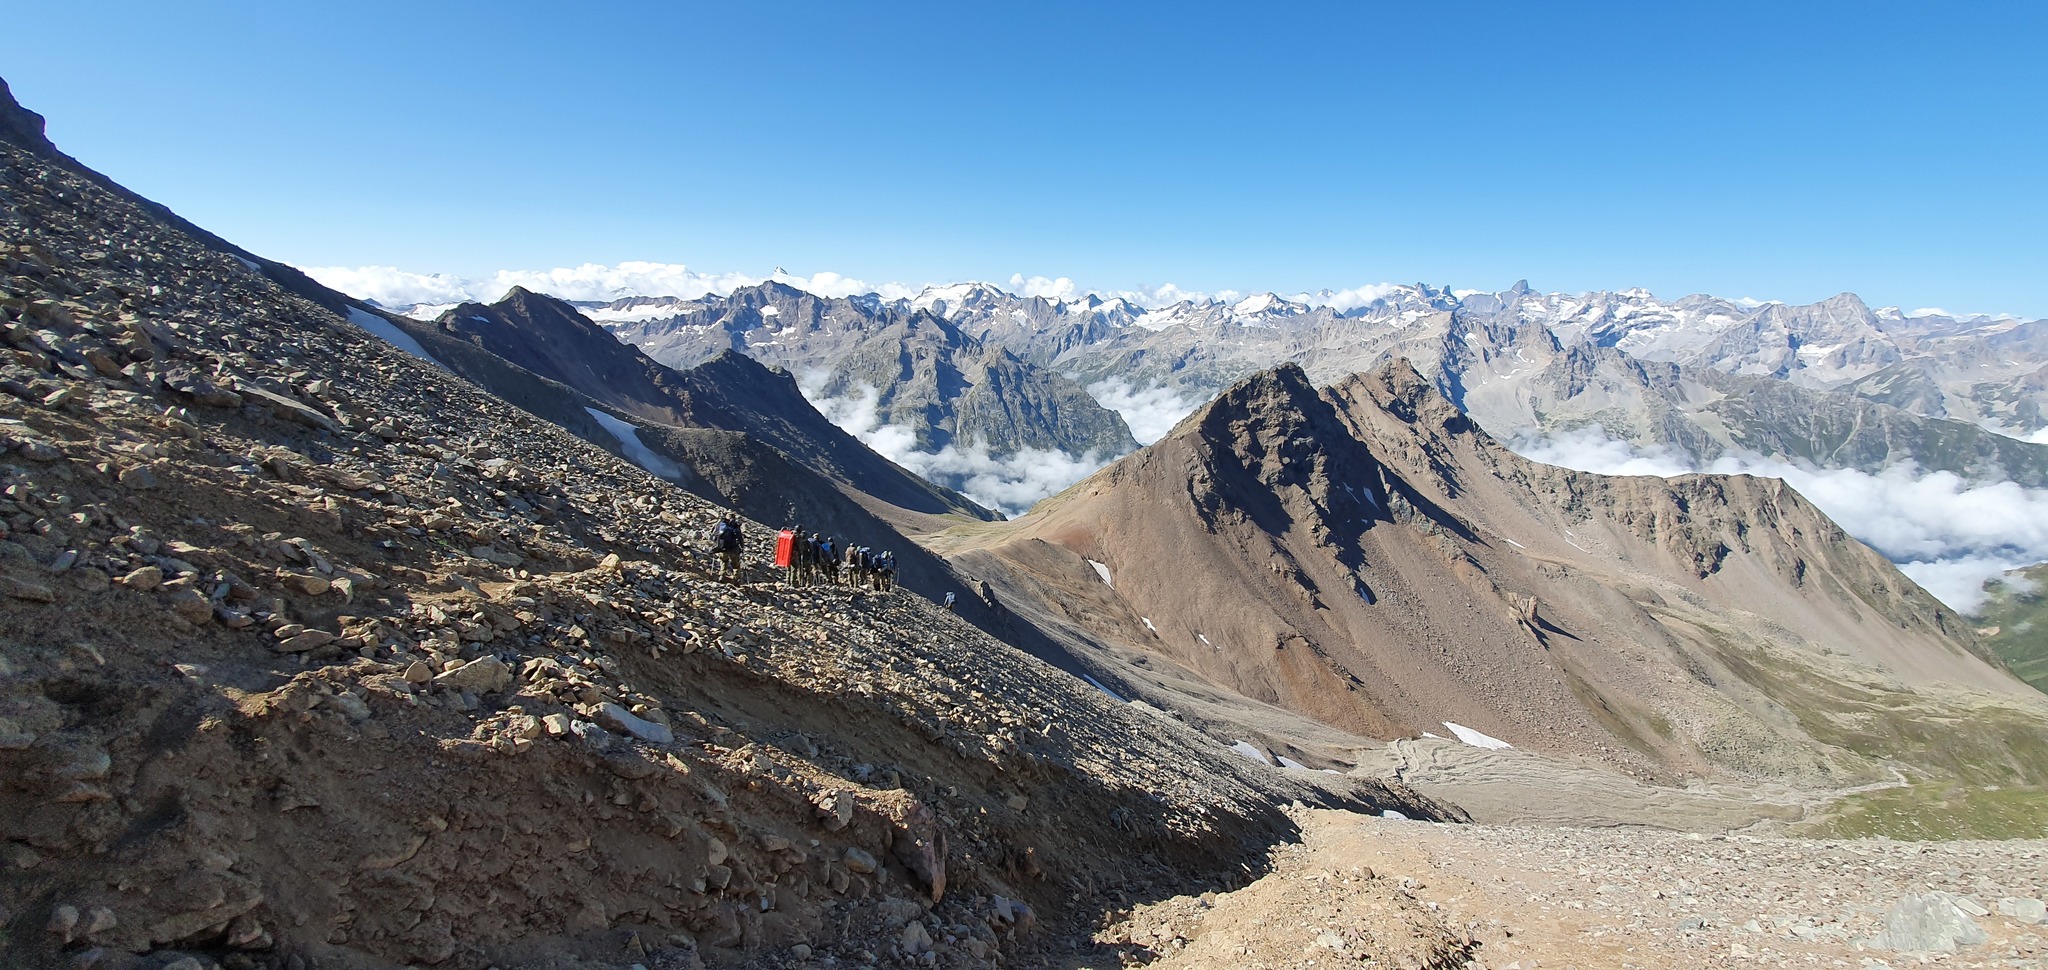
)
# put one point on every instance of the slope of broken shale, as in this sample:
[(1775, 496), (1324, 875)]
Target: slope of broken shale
[(313, 656)]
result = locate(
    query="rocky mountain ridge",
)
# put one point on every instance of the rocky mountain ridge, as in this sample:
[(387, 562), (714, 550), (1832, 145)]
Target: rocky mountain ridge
[(549, 339), (314, 654), (926, 375), (1832, 385), (1368, 556)]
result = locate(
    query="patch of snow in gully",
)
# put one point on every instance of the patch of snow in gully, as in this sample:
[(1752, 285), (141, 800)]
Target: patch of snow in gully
[(1105, 691), (1247, 749), (635, 449), (1476, 739), (386, 331)]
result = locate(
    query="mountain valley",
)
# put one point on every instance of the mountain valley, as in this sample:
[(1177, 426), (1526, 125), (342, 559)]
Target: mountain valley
[(333, 638)]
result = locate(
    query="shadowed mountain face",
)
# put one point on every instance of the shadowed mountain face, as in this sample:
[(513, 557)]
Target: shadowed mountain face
[(1365, 555), (549, 338)]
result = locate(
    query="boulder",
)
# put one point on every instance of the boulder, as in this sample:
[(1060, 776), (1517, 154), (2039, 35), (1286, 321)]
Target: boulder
[(2023, 909), (483, 675), (625, 722), (1929, 923)]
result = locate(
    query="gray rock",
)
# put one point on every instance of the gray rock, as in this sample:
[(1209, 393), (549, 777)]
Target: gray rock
[(915, 938), (144, 579), (2023, 909), (626, 722), (350, 706), (483, 675), (302, 642), (189, 604), (1929, 923), (24, 590)]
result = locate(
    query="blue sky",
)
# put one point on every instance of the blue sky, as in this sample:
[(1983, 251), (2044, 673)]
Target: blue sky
[(1777, 151)]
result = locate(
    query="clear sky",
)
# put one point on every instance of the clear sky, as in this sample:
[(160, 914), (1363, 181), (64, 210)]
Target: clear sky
[(1782, 150)]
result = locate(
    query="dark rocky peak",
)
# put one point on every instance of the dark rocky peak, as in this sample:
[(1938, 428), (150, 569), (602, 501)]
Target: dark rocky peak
[(766, 294), (1267, 396), (740, 373), (1275, 419), (1398, 390), (20, 126), (1274, 451), (538, 314), (527, 303), (24, 129)]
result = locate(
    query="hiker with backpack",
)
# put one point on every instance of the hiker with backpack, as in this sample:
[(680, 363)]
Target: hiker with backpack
[(725, 542), (828, 560), (785, 554)]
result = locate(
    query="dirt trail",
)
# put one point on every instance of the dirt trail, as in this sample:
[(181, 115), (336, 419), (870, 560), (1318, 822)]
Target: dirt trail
[(1529, 897)]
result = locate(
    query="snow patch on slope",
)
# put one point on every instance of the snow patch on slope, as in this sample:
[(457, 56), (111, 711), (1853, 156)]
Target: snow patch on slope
[(1476, 739), (388, 332), (1251, 751), (635, 449)]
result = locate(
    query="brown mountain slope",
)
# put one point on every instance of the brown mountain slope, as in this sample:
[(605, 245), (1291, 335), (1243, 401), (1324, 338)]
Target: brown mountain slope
[(1367, 556), (313, 655)]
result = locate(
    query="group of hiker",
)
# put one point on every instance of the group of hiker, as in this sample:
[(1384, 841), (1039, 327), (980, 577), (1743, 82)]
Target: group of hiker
[(808, 559)]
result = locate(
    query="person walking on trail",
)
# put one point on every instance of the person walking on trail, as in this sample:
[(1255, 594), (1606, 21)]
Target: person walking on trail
[(725, 540), (949, 602), (785, 554)]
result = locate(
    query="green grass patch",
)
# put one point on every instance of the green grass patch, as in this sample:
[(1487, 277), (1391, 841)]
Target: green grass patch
[(2015, 620), (1936, 810), (1982, 745)]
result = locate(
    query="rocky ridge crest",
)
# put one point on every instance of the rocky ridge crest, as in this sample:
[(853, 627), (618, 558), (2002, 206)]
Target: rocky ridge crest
[(316, 655)]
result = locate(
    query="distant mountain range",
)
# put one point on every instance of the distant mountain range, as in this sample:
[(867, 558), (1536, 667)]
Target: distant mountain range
[(1835, 384)]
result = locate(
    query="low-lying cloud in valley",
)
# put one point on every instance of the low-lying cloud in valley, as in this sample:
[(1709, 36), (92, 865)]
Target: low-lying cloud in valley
[(1150, 413), (1010, 484), (1950, 535)]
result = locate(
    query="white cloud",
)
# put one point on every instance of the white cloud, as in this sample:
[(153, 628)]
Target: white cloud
[(394, 287), (1167, 294), (1061, 289), (1351, 299), (829, 284), (1150, 413), (1011, 483), (1949, 535), (391, 286)]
